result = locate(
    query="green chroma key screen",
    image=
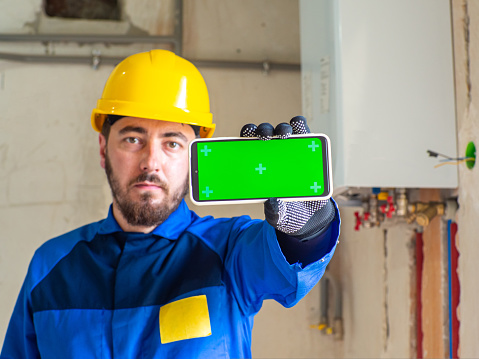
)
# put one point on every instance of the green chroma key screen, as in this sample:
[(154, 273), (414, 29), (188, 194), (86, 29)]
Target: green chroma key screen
[(241, 169)]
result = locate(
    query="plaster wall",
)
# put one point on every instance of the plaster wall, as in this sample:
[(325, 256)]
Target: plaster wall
[(51, 181), (50, 178), (376, 271), (466, 50)]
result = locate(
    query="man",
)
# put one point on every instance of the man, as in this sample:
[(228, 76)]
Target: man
[(154, 280)]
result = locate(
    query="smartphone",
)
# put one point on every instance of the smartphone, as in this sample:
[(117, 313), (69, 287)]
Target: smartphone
[(247, 170)]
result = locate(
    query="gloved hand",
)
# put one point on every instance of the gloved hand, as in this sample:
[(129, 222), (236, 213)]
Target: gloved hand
[(301, 219)]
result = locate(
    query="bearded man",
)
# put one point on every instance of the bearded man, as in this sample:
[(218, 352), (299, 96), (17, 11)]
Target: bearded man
[(153, 279)]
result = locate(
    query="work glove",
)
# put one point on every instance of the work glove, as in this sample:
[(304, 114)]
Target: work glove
[(301, 219)]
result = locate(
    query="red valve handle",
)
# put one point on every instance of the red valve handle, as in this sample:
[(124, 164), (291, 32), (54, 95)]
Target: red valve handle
[(391, 208), (358, 221)]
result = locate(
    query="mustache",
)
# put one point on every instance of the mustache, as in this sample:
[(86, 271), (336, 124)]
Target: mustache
[(150, 177)]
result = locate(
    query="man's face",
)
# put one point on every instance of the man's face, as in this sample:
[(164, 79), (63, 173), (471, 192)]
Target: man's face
[(146, 162)]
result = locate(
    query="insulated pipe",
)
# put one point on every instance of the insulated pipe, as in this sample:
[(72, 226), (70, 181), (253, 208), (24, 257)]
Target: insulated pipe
[(115, 60), (88, 60), (265, 66), (454, 289), (89, 39), (178, 32), (323, 303), (419, 270)]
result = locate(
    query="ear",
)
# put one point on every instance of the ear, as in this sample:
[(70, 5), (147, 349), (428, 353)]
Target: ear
[(103, 142)]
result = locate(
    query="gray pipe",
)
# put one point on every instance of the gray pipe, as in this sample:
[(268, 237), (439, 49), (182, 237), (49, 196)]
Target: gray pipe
[(326, 281)]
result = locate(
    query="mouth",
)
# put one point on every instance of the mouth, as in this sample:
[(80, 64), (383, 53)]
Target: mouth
[(148, 186)]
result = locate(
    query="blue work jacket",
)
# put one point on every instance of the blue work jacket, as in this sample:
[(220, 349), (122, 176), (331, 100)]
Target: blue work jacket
[(189, 289)]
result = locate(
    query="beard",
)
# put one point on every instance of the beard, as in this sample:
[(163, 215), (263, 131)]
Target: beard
[(144, 212)]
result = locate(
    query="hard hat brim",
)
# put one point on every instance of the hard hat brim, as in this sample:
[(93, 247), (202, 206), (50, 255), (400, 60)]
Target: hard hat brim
[(122, 108)]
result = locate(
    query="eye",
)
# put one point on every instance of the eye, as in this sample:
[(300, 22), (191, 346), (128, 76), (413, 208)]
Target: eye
[(173, 145), (132, 140)]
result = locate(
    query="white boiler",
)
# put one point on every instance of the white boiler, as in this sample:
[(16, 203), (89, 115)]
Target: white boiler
[(377, 78)]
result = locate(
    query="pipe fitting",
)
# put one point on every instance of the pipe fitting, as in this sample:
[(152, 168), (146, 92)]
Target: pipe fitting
[(425, 212), (401, 202)]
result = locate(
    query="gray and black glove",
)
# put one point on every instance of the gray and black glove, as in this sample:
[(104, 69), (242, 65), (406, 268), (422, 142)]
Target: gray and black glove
[(301, 219)]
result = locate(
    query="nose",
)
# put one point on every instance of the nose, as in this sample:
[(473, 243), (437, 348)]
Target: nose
[(151, 158)]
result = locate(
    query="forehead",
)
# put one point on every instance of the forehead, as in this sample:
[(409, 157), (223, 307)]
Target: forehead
[(150, 126)]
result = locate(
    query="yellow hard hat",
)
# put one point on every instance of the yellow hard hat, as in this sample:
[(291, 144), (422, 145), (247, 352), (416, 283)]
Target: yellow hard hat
[(156, 85)]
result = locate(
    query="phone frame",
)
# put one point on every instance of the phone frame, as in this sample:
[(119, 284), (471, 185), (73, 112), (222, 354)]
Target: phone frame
[(194, 186)]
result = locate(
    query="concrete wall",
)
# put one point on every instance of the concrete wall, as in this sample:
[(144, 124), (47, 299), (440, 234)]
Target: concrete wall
[(50, 178), (466, 49), (51, 181)]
